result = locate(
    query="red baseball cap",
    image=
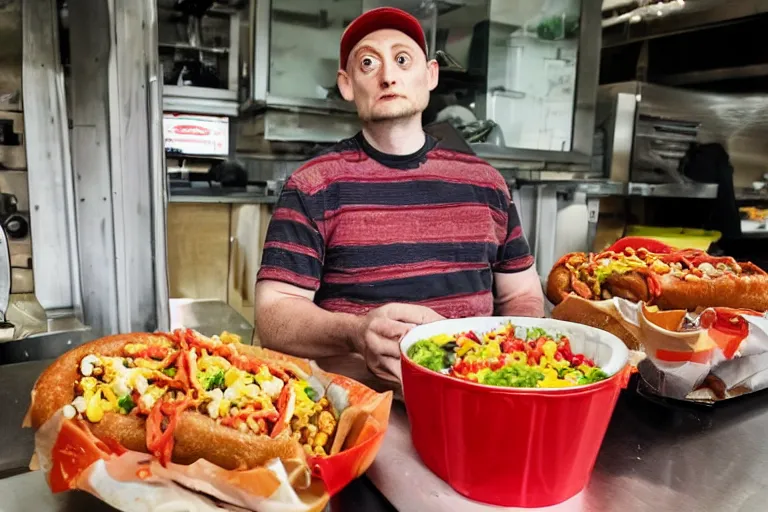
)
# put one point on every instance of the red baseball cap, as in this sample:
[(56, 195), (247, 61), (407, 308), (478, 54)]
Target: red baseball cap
[(377, 19)]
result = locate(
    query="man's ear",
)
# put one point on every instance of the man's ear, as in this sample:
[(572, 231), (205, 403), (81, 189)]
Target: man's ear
[(433, 74), (345, 85)]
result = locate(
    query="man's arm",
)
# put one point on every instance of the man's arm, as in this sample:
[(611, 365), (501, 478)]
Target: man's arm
[(289, 321), (518, 294)]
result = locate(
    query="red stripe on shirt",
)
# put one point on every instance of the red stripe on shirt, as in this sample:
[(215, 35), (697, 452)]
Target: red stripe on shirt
[(386, 272), (478, 173), (515, 265), (371, 225), (292, 215), (455, 306), (288, 246), (268, 273), (516, 233)]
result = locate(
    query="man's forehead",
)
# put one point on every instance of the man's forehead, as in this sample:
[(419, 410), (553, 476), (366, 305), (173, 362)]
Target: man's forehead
[(385, 39)]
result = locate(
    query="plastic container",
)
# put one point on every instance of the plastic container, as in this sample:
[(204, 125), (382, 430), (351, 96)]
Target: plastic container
[(677, 238), (512, 447)]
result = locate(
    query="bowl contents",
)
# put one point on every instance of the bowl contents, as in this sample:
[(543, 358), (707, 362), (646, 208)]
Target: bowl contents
[(507, 356)]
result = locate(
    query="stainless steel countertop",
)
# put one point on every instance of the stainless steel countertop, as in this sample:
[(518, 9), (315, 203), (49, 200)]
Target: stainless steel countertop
[(654, 457), (202, 195), (209, 317)]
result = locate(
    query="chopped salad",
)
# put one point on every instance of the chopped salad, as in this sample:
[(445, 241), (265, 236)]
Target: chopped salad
[(508, 356)]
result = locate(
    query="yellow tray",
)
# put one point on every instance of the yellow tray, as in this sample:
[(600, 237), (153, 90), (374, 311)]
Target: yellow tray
[(679, 238)]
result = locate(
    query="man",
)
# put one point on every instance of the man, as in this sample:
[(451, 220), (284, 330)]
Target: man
[(391, 228)]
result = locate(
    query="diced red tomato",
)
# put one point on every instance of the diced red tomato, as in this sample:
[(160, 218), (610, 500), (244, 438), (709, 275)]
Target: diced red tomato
[(577, 360), (471, 335)]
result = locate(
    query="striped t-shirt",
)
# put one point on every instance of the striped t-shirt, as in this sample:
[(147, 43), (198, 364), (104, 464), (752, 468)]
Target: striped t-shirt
[(363, 229)]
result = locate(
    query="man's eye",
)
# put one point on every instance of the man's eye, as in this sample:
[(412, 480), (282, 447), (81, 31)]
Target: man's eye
[(402, 59), (368, 63)]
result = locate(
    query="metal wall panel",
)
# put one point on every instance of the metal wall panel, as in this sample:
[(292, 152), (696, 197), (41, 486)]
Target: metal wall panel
[(131, 163), (118, 160), (90, 156), (51, 192)]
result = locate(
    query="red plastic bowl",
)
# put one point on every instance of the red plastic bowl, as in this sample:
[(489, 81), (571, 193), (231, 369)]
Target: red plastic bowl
[(512, 447)]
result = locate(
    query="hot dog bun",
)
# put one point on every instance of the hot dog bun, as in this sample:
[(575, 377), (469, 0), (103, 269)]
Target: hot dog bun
[(196, 436), (600, 314), (744, 292), (745, 288)]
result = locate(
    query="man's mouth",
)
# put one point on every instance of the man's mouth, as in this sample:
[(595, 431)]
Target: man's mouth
[(387, 97)]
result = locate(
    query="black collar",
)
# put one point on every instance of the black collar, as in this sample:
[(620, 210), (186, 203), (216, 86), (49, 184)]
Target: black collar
[(412, 161)]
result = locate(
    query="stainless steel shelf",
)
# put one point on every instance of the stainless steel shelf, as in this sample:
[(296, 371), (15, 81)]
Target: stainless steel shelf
[(689, 190), (185, 46), (605, 188), (200, 100), (201, 195), (494, 152), (592, 188)]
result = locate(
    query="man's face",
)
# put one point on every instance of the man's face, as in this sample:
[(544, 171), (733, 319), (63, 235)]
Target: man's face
[(388, 77)]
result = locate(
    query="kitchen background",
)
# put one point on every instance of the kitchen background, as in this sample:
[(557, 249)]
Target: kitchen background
[(157, 134)]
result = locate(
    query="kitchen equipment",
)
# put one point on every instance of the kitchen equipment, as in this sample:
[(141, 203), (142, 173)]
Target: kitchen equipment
[(512, 446), (6, 328), (678, 238)]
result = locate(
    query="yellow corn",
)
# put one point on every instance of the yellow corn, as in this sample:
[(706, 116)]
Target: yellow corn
[(134, 348), (224, 407), (231, 376), (319, 450), (320, 439), (228, 337), (326, 422), (109, 395), (93, 410)]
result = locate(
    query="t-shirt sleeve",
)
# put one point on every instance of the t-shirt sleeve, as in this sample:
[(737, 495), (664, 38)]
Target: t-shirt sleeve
[(514, 254), (294, 248)]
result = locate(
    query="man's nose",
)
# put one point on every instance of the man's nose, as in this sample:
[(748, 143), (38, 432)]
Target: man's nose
[(387, 75)]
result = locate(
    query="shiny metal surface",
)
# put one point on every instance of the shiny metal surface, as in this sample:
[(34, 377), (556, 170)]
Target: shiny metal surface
[(655, 457), (159, 175), (49, 168), (209, 317), (694, 190), (737, 121), (87, 86), (215, 196), (200, 100), (43, 346), (620, 136), (592, 188), (16, 443), (29, 493), (5, 274)]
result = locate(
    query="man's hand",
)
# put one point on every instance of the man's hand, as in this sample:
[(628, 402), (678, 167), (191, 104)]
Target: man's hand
[(380, 333)]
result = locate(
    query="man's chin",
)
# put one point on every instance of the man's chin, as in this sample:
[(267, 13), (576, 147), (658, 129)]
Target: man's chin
[(392, 114)]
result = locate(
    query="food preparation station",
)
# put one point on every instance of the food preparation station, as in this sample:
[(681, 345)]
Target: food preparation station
[(133, 223)]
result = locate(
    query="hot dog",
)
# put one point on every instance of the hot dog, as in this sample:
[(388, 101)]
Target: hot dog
[(686, 279), (182, 396)]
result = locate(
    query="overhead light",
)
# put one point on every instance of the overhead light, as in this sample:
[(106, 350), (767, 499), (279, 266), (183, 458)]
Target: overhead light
[(636, 18)]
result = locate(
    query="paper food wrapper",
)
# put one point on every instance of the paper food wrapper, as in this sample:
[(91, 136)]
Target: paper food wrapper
[(136, 482), (725, 357)]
